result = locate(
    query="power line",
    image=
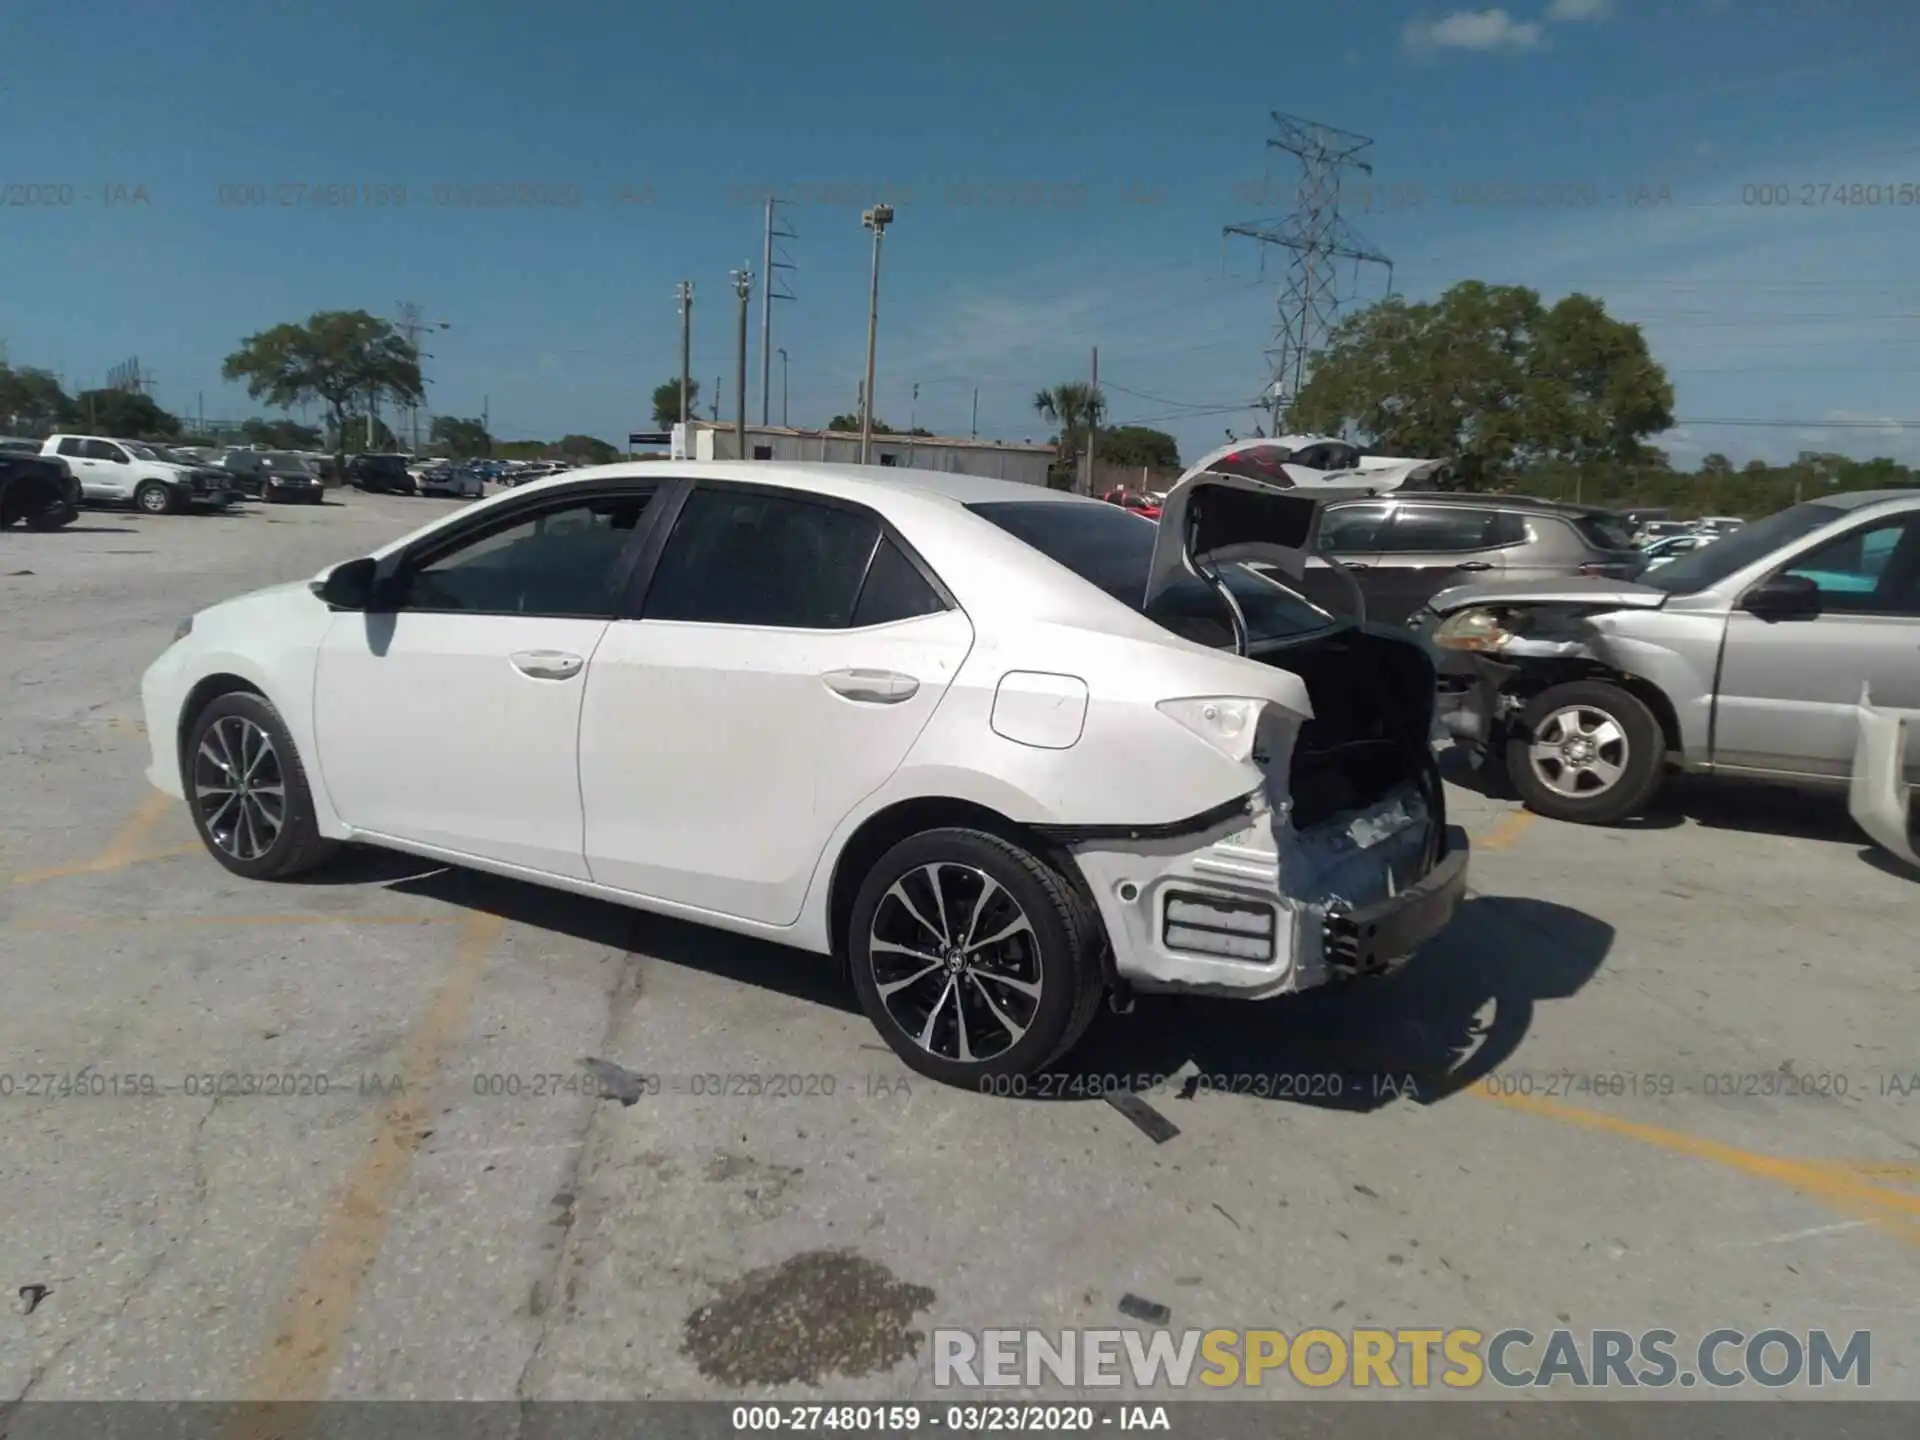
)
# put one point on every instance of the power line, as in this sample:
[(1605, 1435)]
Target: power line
[(1805, 424)]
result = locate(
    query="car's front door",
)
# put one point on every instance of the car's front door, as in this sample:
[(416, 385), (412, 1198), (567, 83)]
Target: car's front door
[(786, 654), (1351, 535), (1429, 548), (450, 717), (104, 470), (1788, 687)]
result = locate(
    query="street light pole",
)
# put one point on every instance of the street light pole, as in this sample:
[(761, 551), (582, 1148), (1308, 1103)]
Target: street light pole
[(877, 219), (742, 287)]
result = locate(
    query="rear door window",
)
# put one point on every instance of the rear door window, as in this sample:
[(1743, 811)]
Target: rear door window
[(1352, 529), (1422, 528), (741, 557)]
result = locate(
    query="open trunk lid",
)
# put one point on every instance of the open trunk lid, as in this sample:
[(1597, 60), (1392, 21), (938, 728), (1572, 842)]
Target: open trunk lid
[(1246, 508)]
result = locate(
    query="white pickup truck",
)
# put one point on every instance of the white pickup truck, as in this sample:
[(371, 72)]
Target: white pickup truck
[(146, 476)]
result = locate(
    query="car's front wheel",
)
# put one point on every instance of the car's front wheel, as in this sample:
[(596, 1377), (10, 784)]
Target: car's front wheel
[(973, 957), (248, 790), (1588, 752)]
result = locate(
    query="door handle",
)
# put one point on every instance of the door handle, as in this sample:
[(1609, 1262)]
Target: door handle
[(1474, 565), (871, 687), (1354, 565), (546, 664)]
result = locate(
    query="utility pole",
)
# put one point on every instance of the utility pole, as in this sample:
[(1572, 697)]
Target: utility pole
[(877, 219), (785, 424), (1093, 415), (742, 288), (1316, 238), (713, 406), (684, 293), (770, 264), (976, 412), (411, 326), (486, 422)]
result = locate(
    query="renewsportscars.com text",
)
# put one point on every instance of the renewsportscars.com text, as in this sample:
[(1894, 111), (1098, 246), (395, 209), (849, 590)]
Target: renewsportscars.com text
[(1456, 1359)]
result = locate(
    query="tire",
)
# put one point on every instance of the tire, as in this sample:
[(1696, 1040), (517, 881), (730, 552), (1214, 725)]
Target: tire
[(151, 497), (1561, 787), (1007, 1030), (53, 516), (229, 728)]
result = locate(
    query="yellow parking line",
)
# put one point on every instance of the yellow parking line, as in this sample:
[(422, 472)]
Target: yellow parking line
[(130, 846), (298, 1360), (1820, 1180), (1505, 832)]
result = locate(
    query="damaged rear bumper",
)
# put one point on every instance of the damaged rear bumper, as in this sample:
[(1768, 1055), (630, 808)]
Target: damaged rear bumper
[(1251, 908)]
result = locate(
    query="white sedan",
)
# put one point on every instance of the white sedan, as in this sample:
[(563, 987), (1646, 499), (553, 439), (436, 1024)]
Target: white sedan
[(1002, 751)]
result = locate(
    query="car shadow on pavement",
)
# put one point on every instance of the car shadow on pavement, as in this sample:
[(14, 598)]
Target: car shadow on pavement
[(781, 969), (1449, 1019), (1763, 809)]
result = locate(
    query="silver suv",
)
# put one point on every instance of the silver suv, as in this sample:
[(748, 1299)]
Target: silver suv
[(1404, 549), (1746, 657)]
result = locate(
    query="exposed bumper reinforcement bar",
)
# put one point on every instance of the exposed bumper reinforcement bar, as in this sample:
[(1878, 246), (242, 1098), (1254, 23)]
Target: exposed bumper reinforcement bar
[(1375, 939)]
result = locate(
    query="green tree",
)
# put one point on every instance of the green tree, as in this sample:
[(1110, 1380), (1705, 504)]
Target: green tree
[(585, 450), (1715, 463), (339, 358), (466, 439), (124, 413), (32, 399), (282, 434), (1491, 376), (850, 424), (1074, 406), (666, 402), (1138, 445)]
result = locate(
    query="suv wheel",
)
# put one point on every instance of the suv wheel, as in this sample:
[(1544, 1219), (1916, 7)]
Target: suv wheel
[(1589, 752), (248, 790), (973, 957), (155, 498)]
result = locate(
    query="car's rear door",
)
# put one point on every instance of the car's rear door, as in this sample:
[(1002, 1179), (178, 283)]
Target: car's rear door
[(450, 718), (1427, 548), (782, 654)]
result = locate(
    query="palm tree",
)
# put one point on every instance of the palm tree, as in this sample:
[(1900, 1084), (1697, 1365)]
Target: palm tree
[(1073, 405)]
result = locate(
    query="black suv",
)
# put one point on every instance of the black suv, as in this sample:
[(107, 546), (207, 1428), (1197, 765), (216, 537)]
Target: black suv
[(1405, 548), (381, 475), (38, 491)]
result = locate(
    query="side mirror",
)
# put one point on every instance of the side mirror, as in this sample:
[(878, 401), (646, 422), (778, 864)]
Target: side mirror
[(1784, 597), (349, 586)]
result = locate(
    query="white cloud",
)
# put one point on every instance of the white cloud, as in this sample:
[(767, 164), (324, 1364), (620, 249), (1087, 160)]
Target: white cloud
[(1474, 30), (1566, 11)]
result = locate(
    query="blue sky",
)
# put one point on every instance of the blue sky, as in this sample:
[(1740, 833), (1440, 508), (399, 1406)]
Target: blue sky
[(1061, 175)]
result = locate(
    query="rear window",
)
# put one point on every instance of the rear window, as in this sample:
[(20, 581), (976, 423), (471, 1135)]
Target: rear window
[(1603, 531), (1112, 549)]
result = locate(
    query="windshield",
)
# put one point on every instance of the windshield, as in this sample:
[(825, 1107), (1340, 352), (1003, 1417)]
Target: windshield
[(1710, 564), (286, 462), (1111, 548), (147, 452)]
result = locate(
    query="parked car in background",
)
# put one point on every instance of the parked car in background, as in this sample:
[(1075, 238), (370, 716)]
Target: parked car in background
[(459, 481), (1136, 501), (35, 490), (1662, 552), (1648, 531), (1719, 524), (1403, 549), (381, 475), (146, 476), (914, 694), (274, 476), (1748, 657)]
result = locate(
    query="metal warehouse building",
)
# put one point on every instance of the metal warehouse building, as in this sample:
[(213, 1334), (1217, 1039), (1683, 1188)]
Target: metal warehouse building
[(710, 440)]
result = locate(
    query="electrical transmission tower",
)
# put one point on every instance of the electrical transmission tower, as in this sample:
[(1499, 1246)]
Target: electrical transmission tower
[(772, 289), (1317, 239)]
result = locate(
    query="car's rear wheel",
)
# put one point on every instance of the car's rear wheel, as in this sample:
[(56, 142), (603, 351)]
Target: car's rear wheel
[(1588, 752), (248, 791), (973, 957), (155, 498)]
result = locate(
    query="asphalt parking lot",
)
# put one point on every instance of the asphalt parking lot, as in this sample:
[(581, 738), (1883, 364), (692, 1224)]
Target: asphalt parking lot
[(330, 1140)]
